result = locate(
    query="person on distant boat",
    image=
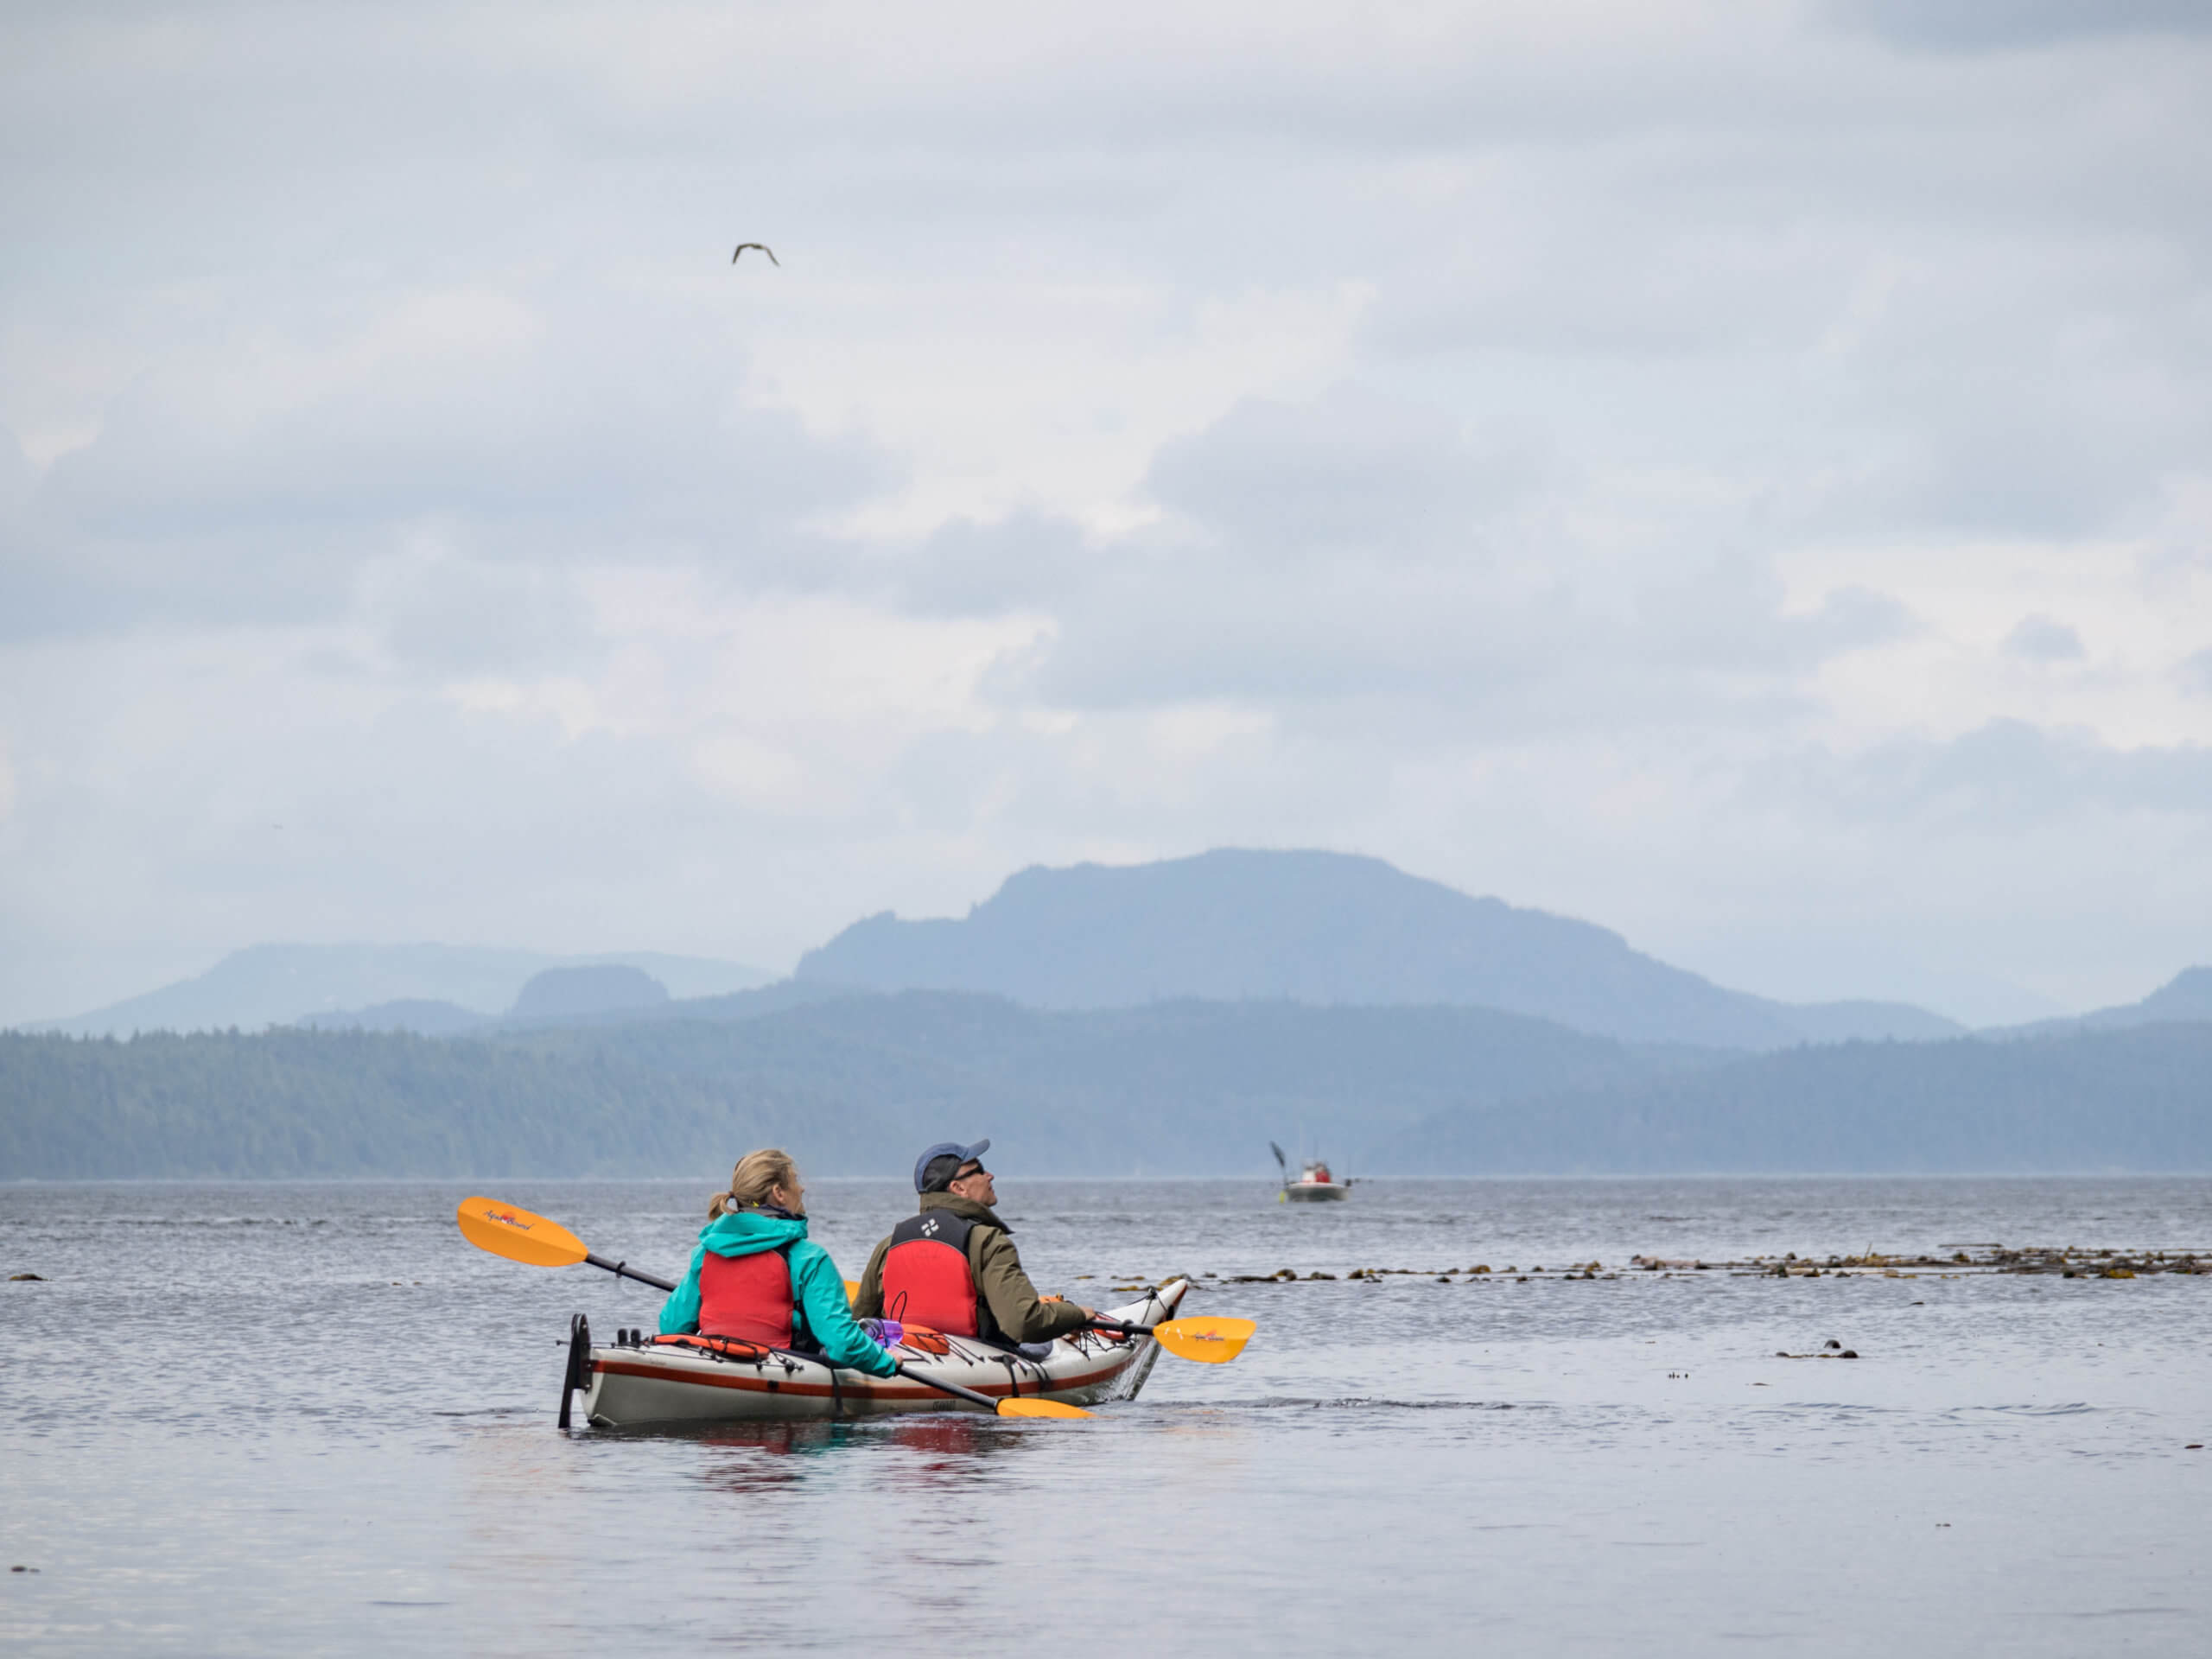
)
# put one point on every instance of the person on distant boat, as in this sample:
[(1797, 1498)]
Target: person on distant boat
[(953, 1267), (1321, 1174), (757, 1277)]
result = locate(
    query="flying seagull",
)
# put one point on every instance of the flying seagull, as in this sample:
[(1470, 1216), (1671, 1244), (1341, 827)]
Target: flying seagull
[(764, 248)]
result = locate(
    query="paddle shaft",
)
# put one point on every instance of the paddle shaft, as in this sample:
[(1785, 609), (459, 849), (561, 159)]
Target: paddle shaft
[(623, 1270), (952, 1389), (1123, 1330)]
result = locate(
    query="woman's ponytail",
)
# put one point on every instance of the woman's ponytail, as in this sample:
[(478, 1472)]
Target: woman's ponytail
[(757, 1174)]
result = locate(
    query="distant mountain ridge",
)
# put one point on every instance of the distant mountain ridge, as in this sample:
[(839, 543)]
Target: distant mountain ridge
[(1325, 928), (281, 984), (2185, 998), (556, 996), (1317, 928), (599, 987)]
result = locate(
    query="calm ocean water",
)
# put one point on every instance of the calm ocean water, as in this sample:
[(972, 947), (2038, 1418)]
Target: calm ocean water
[(308, 1418)]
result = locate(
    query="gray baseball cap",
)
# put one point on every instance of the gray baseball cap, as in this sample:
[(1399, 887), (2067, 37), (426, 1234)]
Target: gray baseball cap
[(951, 1149)]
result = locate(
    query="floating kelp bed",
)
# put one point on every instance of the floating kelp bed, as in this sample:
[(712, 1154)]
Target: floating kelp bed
[(2072, 1262)]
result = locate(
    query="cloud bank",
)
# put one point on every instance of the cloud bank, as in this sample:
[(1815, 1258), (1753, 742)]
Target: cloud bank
[(1738, 474)]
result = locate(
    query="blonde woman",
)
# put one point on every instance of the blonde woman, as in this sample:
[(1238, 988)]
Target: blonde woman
[(756, 1277)]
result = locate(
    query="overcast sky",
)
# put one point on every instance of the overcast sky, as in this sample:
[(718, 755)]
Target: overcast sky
[(1738, 474)]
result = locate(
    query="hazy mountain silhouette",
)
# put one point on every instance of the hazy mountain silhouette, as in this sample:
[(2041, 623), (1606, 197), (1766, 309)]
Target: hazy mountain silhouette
[(603, 987), (1321, 928), (2184, 999), (431, 1019), (2186, 996), (280, 984)]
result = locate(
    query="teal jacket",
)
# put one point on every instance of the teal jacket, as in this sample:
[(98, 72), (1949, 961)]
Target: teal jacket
[(819, 1310)]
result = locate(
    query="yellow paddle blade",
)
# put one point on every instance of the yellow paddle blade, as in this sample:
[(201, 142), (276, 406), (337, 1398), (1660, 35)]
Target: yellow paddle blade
[(1040, 1409), (852, 1291), (516, 1234), (1209, 1341)]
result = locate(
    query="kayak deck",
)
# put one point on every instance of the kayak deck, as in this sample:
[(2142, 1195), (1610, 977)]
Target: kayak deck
[(625, 1386)]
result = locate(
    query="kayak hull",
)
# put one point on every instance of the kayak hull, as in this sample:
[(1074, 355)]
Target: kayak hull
[(631, 1387)]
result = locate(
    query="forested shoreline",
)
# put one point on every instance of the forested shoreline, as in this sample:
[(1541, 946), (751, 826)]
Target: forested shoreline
[(1177, 1088)]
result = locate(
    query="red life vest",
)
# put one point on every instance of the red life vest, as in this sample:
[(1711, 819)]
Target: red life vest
[(747, 1296), (926, 1279)]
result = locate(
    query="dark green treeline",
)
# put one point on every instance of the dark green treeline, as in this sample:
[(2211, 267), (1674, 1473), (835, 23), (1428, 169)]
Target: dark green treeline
[(854, 1085)]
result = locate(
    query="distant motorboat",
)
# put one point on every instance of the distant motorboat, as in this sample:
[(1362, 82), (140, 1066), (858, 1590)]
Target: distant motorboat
[(1314, 1185)]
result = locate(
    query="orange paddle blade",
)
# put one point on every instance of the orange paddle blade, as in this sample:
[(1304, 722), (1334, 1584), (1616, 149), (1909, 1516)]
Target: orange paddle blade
[(507, 1231), (852, 1291), (1209, 1341), (1040, 1409)]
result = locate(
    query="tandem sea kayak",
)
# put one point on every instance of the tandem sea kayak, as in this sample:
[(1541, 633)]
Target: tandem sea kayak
[(677, 1381)]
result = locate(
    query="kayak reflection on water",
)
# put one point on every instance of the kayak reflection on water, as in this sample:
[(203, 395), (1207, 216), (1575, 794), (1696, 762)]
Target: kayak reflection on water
[(759, 1457)]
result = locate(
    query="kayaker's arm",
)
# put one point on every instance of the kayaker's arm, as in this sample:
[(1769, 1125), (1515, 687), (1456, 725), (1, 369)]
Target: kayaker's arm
[(679, 1314), (819, 1289), (1015, 1302)]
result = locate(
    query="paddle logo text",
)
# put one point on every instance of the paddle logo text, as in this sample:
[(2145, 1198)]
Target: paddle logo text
[(510, 1218)]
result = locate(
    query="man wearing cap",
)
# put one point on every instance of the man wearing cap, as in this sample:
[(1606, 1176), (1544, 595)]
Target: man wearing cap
[(953, 1267)]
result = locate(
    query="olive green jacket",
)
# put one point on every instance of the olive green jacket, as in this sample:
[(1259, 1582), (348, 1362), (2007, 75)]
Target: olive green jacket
[(996, 1268)]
